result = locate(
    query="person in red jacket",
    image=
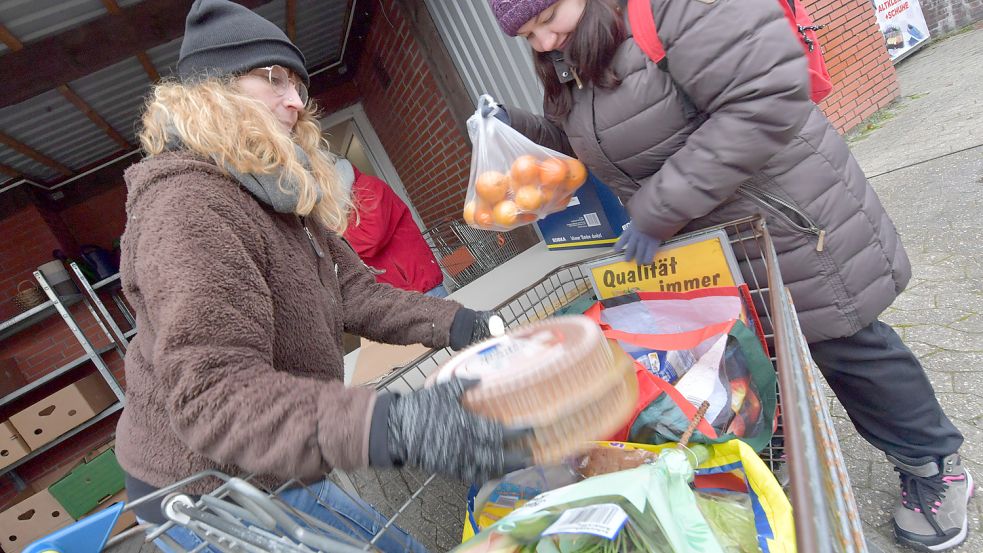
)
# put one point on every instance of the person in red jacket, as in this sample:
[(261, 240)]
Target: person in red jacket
[(386, 237)]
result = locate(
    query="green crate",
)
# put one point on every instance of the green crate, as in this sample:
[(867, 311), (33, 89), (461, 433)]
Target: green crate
[(89, 484)]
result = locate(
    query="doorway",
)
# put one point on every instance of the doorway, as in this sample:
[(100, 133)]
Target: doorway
[(350, 135)]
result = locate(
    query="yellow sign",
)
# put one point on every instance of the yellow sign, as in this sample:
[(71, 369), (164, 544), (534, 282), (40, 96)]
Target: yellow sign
[(682, 268)]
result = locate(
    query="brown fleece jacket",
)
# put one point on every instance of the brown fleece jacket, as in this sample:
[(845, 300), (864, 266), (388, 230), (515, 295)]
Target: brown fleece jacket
[(238, 364)]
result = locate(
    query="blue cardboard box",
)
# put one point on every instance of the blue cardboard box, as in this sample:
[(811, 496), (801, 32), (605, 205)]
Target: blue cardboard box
[(593, 219)]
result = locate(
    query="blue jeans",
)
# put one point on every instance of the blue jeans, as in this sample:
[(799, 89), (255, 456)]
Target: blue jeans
[(351, 516), (438, 292)]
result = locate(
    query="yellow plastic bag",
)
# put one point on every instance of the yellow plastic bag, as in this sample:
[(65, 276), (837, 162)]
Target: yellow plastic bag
[(733, 466)]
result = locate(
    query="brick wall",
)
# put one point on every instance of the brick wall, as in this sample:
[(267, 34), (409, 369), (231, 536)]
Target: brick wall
[(338, 97), (412, 117), (98, 220), (863, 75), (944, 16)]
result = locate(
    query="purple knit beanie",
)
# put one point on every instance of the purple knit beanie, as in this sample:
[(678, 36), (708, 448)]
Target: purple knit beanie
[(512, 14)]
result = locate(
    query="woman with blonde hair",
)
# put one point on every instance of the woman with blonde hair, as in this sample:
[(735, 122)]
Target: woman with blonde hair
[(242, 286)]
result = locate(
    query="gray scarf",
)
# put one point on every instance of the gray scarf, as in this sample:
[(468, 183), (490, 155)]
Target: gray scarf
[(266, 187)]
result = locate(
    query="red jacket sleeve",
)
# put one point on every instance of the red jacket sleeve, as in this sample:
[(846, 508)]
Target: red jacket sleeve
[(379, 211)]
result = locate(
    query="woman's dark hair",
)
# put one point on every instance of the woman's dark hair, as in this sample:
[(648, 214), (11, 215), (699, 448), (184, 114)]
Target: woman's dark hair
[(597, 36)]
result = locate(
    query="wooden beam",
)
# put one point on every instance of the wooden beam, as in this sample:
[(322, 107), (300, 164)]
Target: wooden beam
[(292, 20), (9, 171), (112, 7), (34, 154), (92, 46), (93, 115), (148, 66), (10, 40)]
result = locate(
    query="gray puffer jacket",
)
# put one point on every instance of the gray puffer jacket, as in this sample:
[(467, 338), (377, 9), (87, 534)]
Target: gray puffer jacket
[(748, 141)]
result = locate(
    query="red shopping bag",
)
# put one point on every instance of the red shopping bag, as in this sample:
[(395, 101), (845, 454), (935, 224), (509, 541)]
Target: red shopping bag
[(689, 347)]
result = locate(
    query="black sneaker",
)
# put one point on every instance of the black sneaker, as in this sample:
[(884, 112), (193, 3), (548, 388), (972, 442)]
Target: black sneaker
[(934, 496)]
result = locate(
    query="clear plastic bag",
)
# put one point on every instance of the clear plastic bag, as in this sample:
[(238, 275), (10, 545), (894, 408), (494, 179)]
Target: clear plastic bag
[(648, 509), (514, 181), (731, 517)]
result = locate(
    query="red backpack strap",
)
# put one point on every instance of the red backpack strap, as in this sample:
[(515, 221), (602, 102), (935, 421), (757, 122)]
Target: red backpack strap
[(642, 23)]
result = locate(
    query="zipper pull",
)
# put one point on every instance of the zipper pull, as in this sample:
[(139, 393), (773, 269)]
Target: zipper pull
[(821, 243), (317, 249)]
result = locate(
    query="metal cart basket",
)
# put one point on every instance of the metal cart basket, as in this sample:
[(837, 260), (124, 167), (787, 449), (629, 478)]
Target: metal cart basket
[(466, 253), (241, 517)]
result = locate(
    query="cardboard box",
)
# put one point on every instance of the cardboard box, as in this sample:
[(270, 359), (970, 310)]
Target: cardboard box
[(12, 446), (593, 219), (11, 378), (377, 360), (89, 484), (63, 410), (127, 519), (33, 518)]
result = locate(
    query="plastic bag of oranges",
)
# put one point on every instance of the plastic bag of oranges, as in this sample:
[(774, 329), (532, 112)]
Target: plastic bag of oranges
[(515, 181)]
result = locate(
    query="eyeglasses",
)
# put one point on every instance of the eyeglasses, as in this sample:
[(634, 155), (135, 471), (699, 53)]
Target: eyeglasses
[(281, 79)]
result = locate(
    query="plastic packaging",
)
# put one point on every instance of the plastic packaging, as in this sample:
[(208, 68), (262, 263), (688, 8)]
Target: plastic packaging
[(605, 460), (731, 517), (514, 181), (647, 509), (559, 377)]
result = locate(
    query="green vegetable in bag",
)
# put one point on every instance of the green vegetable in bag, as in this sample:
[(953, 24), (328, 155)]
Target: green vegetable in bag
[(649, 509), (731, 517)]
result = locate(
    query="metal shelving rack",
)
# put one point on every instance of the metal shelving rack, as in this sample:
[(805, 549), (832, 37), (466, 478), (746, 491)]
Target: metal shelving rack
[(120, 337), (60, 304)]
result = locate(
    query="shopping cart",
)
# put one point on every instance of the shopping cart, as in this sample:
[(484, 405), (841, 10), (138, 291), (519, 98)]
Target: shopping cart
[(466, 253), (240, 514)]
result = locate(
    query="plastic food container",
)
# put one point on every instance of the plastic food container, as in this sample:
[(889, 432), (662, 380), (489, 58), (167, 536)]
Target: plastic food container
[(559, 377)]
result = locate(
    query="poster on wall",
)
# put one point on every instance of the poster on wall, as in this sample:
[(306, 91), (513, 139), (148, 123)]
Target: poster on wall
[(902, 24)]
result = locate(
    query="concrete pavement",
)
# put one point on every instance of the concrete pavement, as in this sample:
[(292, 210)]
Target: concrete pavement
[(924, 156)]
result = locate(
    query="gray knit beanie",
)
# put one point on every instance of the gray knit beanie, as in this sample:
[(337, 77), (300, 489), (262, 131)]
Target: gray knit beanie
[(512, 14), (225, 38)]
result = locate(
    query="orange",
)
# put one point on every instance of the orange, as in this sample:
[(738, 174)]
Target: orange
[(529, 198), (477, 213), (469, 209), (576, 175), (553, 172), (562, 200), (505, 213), (525, 170), (492, 186), (526, 218), (483, 216)]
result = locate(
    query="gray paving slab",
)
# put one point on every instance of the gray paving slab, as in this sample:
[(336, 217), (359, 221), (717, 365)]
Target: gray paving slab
[(940, 102), (924, 156)]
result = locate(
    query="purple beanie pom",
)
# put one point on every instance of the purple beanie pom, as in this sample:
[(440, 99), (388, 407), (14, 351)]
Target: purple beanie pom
[(512, 14)]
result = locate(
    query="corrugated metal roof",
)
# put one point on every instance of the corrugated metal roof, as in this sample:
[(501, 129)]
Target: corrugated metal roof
[(488, 61), (275, 11), (117, 94), (29, 20), (164, 57), (53, 126), (26, 165), (321, 29)]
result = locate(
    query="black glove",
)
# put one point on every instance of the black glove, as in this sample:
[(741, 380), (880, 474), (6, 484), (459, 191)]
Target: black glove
[(637, 245), (472, 326), (489, 108), (430, 429)]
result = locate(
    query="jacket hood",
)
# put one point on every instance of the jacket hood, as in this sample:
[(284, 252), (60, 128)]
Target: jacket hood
[(141, 177), (347, 173)]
